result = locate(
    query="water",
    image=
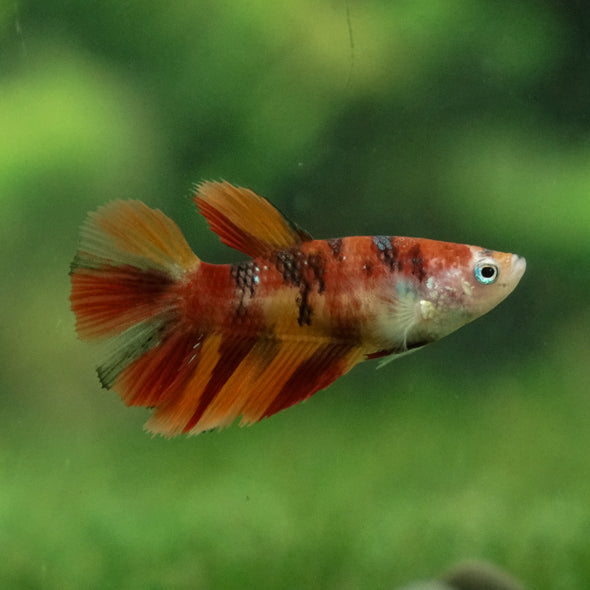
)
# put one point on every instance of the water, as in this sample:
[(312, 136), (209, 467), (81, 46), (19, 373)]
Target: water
[(464, 124)]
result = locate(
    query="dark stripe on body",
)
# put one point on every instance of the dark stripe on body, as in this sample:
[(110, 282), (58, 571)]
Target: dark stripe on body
[(246, 277), (368, 267), (417, 262), (336, 247), (305, 271), (386, 253)]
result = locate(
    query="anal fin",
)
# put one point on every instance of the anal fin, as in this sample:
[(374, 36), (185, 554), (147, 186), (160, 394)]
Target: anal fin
[(250, 378)]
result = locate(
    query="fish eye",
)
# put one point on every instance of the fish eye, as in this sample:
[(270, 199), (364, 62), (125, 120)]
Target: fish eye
[(486, 273)]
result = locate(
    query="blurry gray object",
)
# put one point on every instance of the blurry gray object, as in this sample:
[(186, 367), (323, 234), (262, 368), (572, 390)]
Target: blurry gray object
[(470, 575)]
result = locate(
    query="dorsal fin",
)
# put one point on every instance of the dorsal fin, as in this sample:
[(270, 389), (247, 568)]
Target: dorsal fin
[(245, 221)]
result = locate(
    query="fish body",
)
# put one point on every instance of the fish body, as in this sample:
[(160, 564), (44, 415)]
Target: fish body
[(204, 344)]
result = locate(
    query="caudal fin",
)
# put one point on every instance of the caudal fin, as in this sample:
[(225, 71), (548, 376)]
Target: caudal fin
[(123, 276)]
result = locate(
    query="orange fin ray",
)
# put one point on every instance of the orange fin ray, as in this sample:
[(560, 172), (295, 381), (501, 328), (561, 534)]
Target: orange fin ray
[(131, 233), (157, 374), (123, 289), (128, 260), (245, 221), (251, 378)]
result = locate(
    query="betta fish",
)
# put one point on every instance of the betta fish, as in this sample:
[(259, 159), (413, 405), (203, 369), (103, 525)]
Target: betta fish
[(203, 344)]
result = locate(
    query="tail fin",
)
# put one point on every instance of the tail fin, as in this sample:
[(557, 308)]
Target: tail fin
[(129, 259)]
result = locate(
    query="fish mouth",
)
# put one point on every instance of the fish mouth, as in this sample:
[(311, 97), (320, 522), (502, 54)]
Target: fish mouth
[(518, 266)]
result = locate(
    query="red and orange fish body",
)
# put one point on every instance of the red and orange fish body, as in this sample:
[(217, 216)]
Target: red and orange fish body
[(204, 343)]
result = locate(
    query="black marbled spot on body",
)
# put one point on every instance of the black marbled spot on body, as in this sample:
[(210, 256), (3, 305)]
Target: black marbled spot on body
[(336, 247), (305, 271), (386, 252), (246, 277), (417, 262), (289, 264), (368, 267), (317, 266), (305, 310)]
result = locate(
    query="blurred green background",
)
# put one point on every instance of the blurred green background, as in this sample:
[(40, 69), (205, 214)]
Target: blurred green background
[(466, 121)]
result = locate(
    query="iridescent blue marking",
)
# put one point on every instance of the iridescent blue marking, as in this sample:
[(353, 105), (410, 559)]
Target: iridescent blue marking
[(382, 242)]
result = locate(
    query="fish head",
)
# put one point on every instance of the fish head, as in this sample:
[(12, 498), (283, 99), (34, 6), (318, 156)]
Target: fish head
[(457, 289), (441, 286), (489, 279)]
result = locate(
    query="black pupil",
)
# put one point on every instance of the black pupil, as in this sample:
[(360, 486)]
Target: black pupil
[(487, 272)]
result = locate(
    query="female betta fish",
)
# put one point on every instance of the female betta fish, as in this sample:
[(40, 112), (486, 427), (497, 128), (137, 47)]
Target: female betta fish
[(205, 343)]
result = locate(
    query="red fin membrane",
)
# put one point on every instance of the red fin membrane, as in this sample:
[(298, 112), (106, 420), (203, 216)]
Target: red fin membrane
[(128, 259), (245, 221), (254, 379), (316, 372), (123, 277), (109, 299), (159, 373)]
